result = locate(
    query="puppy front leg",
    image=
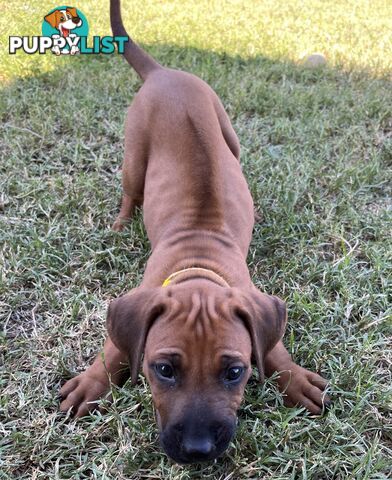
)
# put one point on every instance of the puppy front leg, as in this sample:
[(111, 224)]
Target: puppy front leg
[(298, 385), (83, 392)]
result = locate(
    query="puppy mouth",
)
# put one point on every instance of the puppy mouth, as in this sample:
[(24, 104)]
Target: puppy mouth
[(64, 31), (179, 456)]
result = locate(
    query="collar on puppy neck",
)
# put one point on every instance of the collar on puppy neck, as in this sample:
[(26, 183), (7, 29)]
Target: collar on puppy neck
[(193, 272)]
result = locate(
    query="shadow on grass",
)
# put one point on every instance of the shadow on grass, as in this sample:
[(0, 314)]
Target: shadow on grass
[(83, 105)]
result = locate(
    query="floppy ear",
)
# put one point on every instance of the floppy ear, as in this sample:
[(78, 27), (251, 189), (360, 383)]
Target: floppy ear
[(72, 11), (265, 317), (52, 18), (129, 319)]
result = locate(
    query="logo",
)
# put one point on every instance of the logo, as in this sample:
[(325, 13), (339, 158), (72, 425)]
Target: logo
[(67, 23), (64, 32)]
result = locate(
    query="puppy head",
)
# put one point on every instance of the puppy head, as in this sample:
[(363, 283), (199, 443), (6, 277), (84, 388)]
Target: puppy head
[(64, 20), (198, 340)]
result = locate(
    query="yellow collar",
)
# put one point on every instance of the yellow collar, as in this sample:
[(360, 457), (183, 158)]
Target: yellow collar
[(201, 272)]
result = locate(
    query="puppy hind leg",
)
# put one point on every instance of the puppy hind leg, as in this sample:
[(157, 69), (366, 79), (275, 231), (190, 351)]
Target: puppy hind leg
[(133, 173), (228, 132), (126, 212)]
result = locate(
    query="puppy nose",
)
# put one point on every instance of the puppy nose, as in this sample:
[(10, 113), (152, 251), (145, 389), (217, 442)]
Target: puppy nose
[(198, 447)]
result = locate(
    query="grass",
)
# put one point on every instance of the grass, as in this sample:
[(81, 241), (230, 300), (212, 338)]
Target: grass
[(316, 149)]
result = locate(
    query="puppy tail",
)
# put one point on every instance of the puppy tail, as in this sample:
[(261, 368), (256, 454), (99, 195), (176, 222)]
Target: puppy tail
[(134, 55)]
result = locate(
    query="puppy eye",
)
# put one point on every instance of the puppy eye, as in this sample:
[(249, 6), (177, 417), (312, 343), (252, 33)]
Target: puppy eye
[(62, 19), (164, 370), (234, 373)]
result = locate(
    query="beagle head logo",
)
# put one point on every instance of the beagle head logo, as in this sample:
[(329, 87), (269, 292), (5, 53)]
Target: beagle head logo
[(68, 23), (64, 20)]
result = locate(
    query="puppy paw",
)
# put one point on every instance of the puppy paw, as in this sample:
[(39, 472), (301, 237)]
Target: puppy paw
[(300, 387), (120, 223), (82, 394)]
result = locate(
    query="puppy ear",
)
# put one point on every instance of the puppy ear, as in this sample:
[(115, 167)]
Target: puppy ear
[(52, 18), (265, 317), (72, 11), (129, 319)]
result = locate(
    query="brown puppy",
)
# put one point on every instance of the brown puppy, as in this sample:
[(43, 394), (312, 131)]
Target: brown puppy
[(197, 316)]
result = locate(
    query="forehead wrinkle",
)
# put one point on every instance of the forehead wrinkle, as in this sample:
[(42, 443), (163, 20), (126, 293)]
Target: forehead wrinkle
[(225, 310), (211, 311), (205, 317), (174, 309), (195, 310), (202, 320)]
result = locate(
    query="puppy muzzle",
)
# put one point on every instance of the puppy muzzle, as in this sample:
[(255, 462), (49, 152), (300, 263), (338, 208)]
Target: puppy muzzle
[(196, 440)]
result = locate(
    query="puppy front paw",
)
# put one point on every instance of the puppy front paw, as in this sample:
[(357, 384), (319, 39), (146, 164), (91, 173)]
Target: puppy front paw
[(300, 387), (82, 394)]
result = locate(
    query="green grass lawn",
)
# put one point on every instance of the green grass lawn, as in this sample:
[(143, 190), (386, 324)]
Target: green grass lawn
[(316, 150)]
